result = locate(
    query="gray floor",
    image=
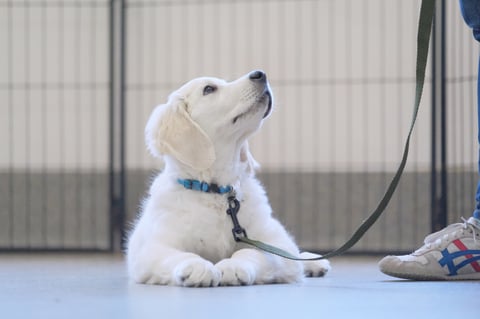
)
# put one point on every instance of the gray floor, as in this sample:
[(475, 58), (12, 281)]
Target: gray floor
[(96, 286)]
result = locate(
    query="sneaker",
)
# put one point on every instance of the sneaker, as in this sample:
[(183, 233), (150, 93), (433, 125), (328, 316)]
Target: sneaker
[(450, 254)]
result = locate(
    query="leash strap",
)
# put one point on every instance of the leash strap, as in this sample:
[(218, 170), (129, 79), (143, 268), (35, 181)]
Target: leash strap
[(423, 38)]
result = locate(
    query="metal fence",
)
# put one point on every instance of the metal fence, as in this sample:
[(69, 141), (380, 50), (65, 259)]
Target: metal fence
[(78, 80), (54, 119)]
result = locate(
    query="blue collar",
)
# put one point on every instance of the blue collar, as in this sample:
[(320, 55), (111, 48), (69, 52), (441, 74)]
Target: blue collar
[(204, 186)]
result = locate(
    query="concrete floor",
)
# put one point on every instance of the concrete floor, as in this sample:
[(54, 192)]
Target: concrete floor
[(95, 286)]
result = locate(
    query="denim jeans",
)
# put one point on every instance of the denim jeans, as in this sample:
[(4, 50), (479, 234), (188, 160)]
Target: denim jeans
[(471, 14)]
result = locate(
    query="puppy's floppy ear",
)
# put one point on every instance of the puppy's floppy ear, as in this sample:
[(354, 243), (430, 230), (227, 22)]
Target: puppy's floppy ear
[(171, 131), (247, 157)]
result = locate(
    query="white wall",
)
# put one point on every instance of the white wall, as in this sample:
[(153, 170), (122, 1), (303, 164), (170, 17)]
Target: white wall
[(342, 73)]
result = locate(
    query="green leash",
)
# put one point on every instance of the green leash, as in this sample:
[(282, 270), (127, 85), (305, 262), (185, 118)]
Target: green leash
[(423, 38)]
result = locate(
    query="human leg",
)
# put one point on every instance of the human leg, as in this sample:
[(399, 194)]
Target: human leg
[(454, 252)]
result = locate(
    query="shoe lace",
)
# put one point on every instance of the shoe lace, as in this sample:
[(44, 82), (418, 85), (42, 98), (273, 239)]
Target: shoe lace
[(450, 232)]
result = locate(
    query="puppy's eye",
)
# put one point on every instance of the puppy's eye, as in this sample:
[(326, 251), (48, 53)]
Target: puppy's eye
[(209, 89)]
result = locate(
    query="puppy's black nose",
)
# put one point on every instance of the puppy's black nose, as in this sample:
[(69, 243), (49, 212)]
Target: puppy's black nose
[(258, 76)]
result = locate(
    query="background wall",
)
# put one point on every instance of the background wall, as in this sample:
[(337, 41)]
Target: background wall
[(342, 73)]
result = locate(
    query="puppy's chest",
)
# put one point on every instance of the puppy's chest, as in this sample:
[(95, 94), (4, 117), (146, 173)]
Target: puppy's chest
[(209, 232)]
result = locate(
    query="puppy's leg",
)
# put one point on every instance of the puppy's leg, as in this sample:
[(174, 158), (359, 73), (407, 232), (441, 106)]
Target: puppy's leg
[(251, 266), (167, 266)]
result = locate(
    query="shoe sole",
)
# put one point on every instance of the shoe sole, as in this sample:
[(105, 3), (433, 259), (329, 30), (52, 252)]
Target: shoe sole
[(420, 277)]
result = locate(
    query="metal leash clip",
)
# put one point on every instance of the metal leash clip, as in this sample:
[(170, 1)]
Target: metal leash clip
[(233, 208)]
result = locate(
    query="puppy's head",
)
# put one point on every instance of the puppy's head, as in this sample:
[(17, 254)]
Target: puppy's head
[(208, 114)]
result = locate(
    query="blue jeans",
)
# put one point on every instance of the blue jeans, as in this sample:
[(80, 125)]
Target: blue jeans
[(471, 14)]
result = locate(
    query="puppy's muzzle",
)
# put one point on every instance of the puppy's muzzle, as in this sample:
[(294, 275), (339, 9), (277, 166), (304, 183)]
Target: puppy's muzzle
[(260, 78)]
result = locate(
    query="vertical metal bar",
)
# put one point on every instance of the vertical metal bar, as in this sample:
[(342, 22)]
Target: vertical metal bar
[(43, 105), (122, 195), (117, 124), (349, 119), (365, 187), (28, 173), (383, 100), (77, 140), (11, 200), (433, 119), (61, 119), (111, 173), (332, 102), (399, 89), (316, 113), (93, 206), (438, 197), (443, 122)]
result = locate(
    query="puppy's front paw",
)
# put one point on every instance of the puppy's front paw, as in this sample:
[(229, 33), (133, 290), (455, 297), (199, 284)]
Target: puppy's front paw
[(235, 272), (196, 272), (316, 268)]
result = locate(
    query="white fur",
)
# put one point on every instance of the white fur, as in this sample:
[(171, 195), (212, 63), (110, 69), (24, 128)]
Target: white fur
[(184, 237)]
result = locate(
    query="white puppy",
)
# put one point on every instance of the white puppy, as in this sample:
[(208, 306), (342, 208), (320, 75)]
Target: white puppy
[(184, 236)]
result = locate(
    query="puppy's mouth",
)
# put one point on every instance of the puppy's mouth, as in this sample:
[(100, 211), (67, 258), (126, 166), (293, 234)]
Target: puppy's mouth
[(264, 99), (268, 96)]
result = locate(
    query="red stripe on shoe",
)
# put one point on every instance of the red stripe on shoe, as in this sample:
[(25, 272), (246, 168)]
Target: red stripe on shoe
[(462, 247)]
